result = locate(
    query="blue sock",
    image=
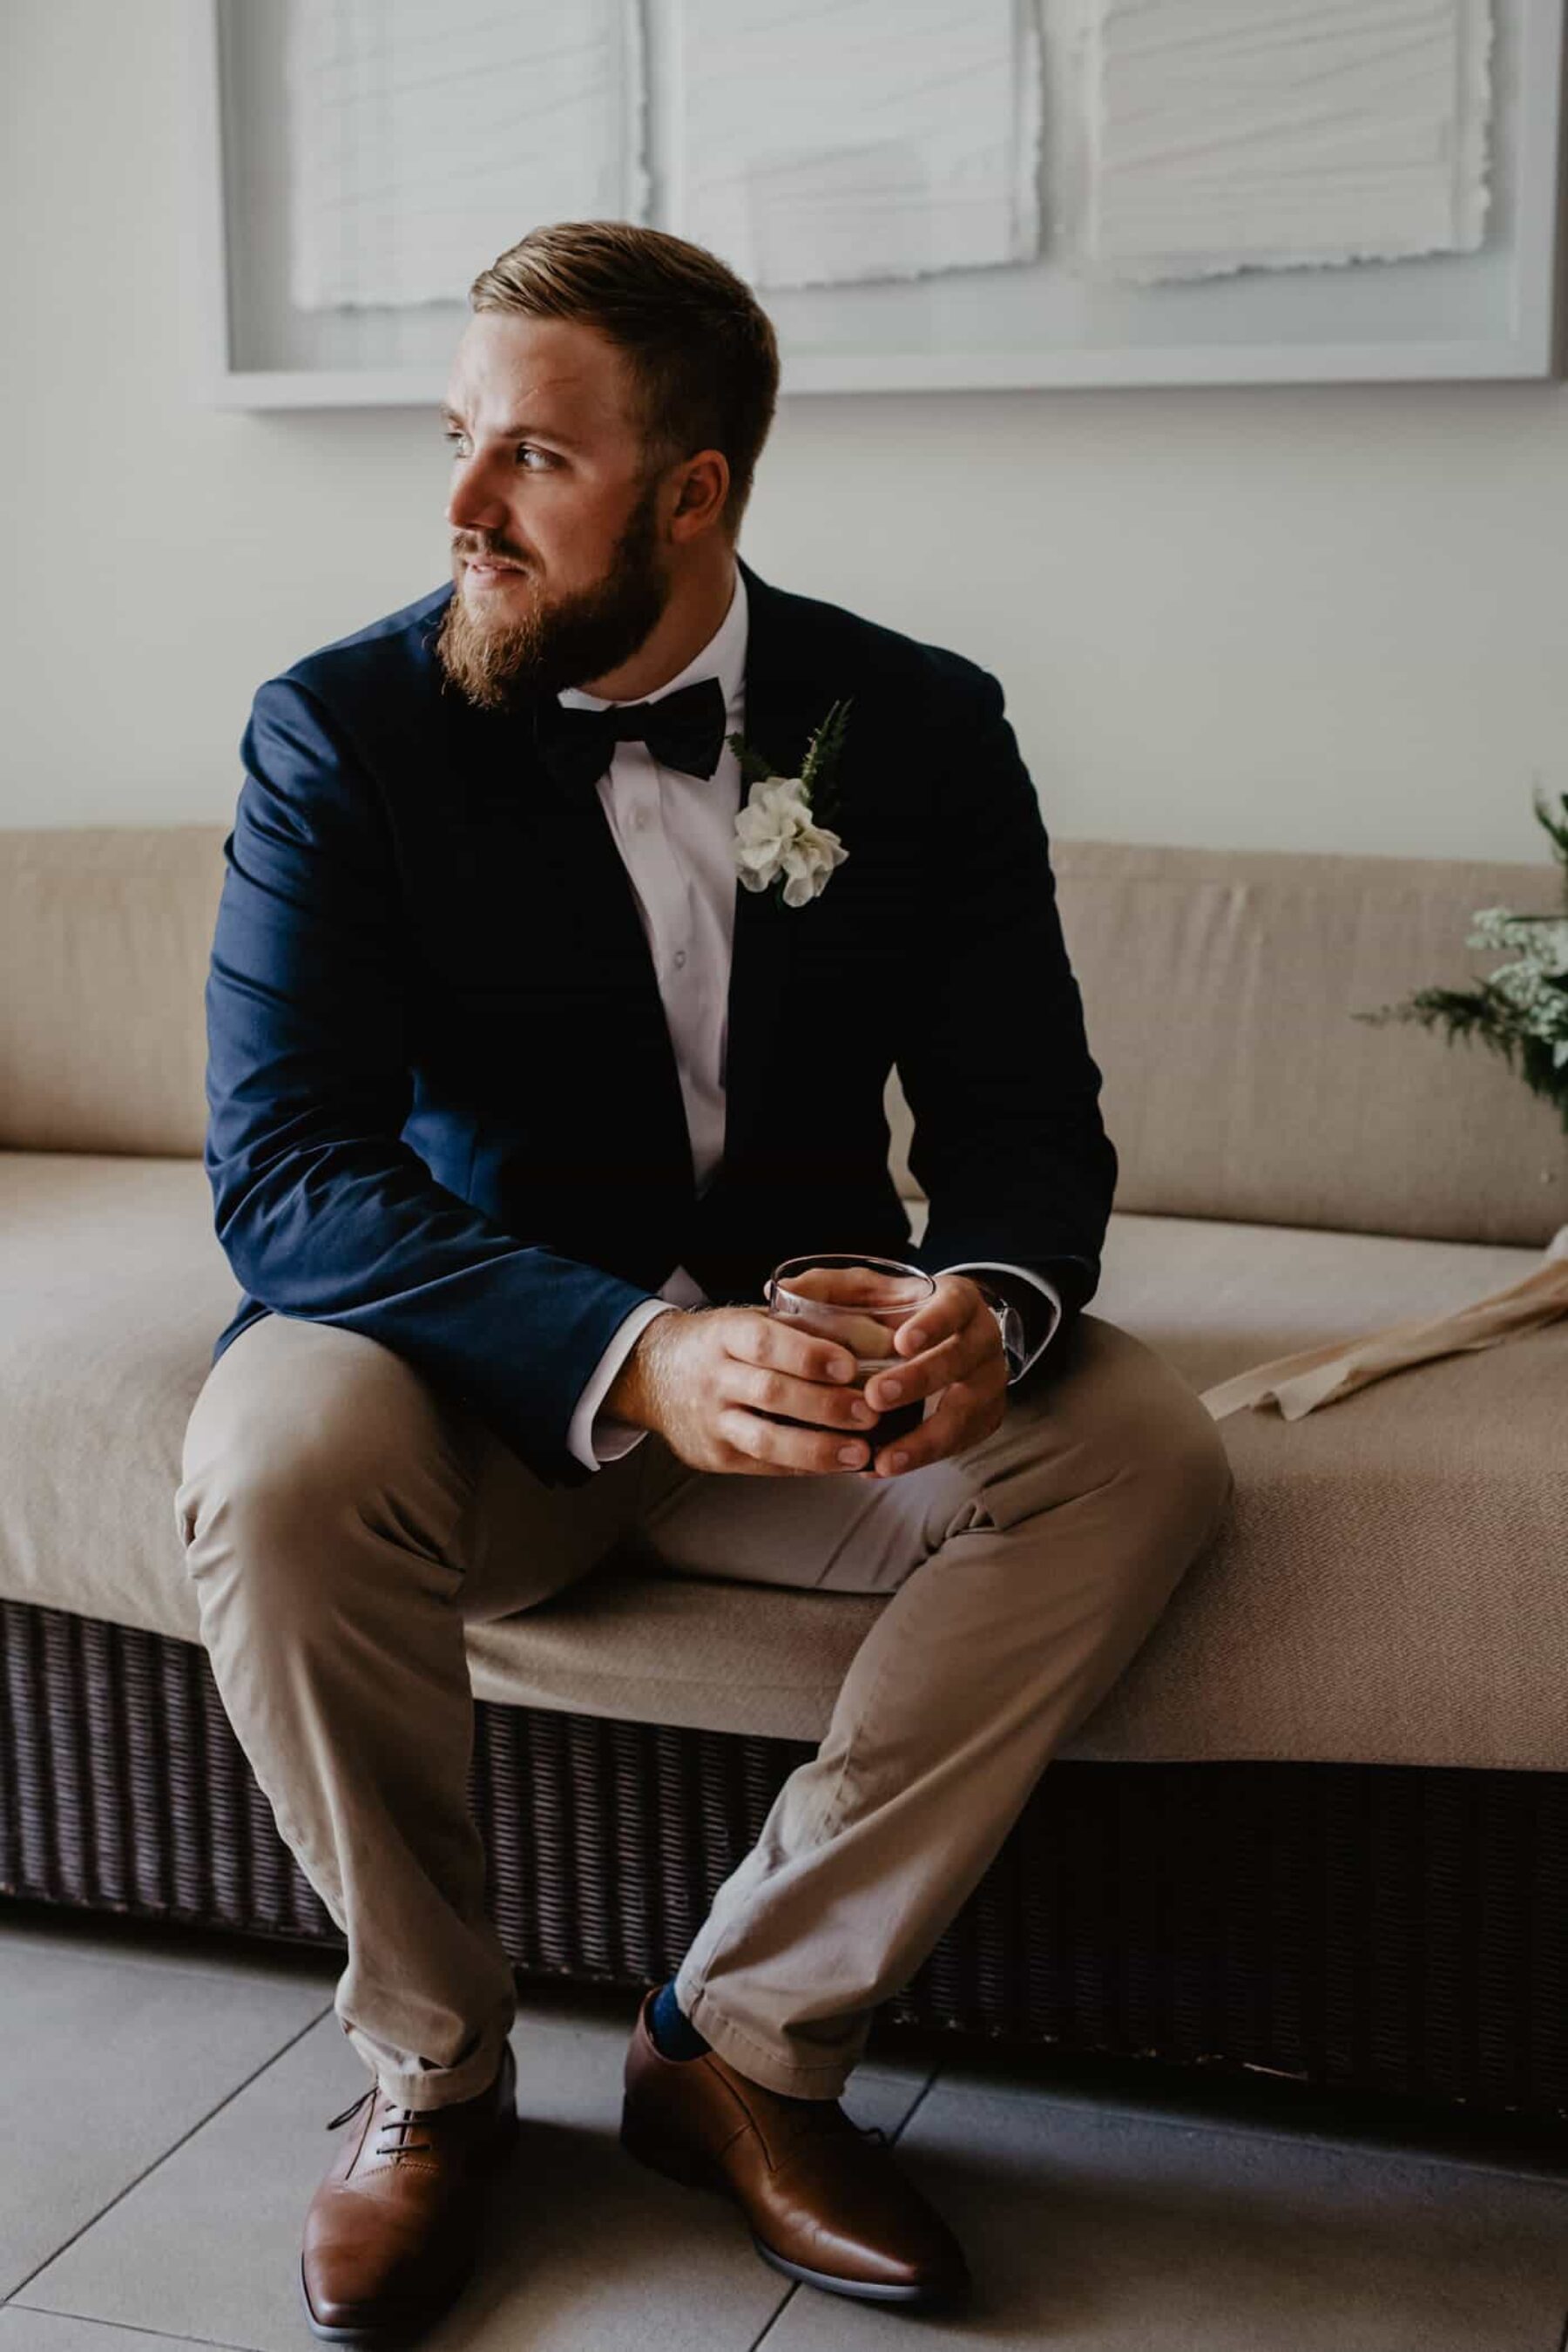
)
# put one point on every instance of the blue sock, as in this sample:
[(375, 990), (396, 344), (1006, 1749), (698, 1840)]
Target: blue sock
[(674, 2035)]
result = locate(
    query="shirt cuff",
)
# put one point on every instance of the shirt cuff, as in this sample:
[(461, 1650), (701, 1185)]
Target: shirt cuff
[(1047, 1290), (593, 1441)]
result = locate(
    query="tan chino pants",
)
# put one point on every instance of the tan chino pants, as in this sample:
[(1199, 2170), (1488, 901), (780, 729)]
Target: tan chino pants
[(343, 1518)]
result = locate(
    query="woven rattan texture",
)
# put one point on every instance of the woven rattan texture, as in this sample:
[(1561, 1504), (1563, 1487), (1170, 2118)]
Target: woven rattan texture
[(1366, 1927)]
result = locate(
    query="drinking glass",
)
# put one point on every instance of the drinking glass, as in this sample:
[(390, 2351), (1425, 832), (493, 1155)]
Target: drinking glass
[(860, 1302)]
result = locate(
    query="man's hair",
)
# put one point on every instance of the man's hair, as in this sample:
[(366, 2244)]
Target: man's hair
[(700, 348)]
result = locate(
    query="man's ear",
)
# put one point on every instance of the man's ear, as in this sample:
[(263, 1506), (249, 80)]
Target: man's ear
[(701, 495)]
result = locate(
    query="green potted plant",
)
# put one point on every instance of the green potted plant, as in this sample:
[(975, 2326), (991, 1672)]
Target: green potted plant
[(1520, 1010)]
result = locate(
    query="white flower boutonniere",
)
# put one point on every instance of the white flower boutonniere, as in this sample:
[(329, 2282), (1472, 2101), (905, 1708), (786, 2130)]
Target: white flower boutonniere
[(777, 835)]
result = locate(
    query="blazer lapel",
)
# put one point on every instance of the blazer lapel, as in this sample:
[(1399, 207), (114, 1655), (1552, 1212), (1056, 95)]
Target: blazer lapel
[(541, 860), (613, 934), (784, 704)]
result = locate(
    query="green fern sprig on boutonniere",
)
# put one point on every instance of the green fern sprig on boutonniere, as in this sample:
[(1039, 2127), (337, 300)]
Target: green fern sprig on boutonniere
[(819, 769)]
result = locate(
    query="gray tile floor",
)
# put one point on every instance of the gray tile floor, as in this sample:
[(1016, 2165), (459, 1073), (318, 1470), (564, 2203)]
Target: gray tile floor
[(166, 2099)]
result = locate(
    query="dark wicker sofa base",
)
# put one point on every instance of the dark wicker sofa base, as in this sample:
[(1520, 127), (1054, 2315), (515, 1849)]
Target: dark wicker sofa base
[(1361, 1927)]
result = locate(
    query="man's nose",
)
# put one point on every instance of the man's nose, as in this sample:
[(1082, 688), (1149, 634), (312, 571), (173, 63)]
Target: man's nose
[(474, 502)]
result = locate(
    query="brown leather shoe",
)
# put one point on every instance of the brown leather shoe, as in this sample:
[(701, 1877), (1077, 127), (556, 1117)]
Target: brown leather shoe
[(392, 2232), (825, 2200)]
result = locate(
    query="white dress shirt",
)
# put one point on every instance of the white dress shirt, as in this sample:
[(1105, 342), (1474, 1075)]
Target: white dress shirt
[(676, 836)]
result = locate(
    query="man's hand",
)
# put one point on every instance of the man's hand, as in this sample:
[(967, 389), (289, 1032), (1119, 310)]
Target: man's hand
[(953, 1353), (705, 1380)]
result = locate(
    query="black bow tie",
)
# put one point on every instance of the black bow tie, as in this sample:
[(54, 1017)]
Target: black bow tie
[(684, 731)]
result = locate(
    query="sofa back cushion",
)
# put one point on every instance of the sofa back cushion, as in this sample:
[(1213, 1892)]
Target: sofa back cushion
[(105, 932), (1217, 987)]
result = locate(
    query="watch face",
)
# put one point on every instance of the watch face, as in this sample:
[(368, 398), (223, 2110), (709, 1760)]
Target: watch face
[(1010, 1323)]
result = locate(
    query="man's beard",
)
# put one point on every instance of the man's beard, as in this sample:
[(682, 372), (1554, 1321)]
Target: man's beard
[(561, 642)]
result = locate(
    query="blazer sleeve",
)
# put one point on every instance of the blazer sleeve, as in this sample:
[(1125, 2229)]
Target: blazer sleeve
[(322, 1208), (1008, 1143)]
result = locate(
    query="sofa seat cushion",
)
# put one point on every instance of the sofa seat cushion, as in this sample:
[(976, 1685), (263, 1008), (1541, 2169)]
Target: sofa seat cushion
[(1391, 1586)]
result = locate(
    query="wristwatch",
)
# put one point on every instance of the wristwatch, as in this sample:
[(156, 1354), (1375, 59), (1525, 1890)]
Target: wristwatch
[(1010, 1324)]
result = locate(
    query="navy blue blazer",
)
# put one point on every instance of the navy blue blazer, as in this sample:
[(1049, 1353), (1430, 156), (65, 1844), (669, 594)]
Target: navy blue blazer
[(444, 1104)]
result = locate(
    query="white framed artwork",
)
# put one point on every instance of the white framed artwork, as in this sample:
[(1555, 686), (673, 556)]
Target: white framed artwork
[(927, 194)]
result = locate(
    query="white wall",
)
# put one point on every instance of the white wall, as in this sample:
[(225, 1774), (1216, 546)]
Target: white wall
[(1332, 617)]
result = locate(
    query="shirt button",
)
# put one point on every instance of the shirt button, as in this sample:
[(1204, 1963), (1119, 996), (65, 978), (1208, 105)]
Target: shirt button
[(640, 819), (680, 959)]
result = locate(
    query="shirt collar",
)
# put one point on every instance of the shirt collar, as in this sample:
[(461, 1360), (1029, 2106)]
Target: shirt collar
[(724, 657)]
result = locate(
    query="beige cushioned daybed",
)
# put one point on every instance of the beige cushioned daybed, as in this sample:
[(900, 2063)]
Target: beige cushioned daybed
[(1391, 1586)]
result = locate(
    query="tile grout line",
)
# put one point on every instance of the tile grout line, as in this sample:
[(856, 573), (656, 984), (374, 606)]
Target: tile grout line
[(771, 2322), (161, 2157), (128, 2327), (916, 2104)]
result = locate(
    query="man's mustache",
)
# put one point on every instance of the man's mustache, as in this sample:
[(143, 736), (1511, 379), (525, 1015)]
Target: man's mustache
[(492, 552)]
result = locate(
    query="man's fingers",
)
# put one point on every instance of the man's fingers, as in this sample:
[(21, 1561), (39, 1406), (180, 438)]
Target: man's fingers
[(940, 1433), (951, 1359), (766, 1390), (963, 1414), (755, 1337), (952, 1338), (948, 1313), (776, 1446)]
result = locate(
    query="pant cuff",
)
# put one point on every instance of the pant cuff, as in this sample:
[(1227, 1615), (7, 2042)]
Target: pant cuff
[(758, 2061), (425, 2089)]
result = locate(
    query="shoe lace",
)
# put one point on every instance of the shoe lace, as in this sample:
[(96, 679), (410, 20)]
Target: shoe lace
[(396, 2121)]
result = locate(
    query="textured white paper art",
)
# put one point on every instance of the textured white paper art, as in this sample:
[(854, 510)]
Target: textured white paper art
[(822, 145), (426, 136), (1274, 134)]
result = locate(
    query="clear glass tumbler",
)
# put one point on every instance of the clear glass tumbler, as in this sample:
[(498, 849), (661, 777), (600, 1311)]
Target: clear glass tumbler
[(860, 1302)]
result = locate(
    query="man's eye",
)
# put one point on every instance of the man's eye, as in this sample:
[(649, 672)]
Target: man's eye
[(525, 449)]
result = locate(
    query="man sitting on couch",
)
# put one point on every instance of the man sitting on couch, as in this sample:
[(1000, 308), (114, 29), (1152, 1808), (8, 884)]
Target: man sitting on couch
[(517, 1094)]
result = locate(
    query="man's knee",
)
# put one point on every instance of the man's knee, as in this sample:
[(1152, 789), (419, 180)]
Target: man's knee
[(313, 1434), (1159, 1438), (1124, 1419)]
